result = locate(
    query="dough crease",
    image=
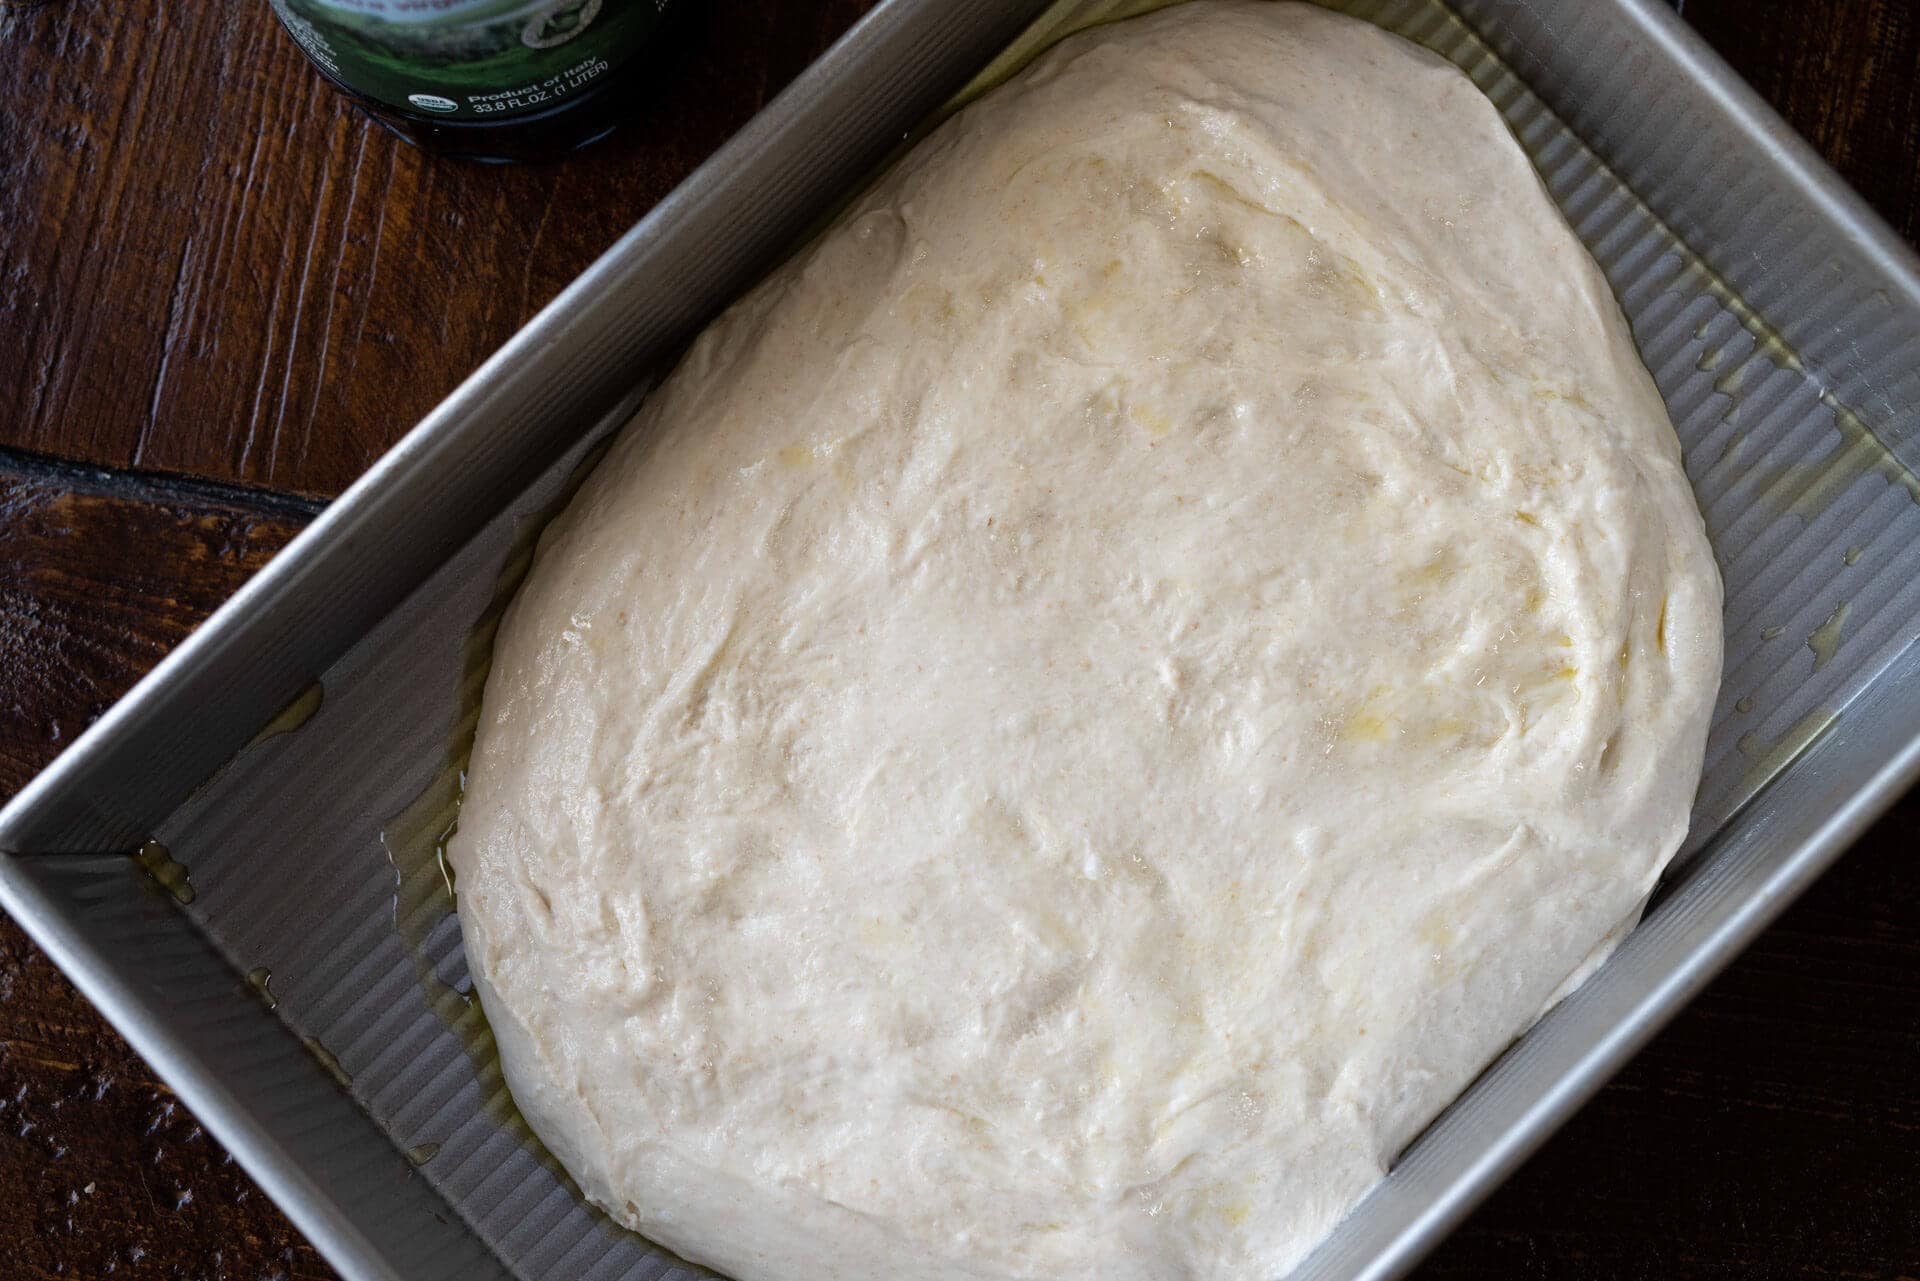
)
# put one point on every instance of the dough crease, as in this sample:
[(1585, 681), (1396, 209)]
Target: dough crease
[(1101, 694)]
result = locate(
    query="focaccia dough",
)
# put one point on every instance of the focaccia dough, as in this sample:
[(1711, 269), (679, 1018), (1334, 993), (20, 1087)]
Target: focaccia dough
[(1102, 693)]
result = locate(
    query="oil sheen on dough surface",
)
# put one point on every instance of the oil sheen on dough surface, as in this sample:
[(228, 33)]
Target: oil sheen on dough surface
[(1103, 692)]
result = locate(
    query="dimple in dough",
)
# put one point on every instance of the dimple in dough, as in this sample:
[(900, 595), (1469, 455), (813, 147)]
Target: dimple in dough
[(1101, 694)]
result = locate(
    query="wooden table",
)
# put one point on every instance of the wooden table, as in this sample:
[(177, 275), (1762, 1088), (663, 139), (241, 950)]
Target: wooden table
[(223, 294)]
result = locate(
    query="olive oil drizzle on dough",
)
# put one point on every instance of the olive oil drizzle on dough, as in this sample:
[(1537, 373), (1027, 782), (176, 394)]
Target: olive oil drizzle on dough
[(1803, 489), (424, 888), (426, 892)]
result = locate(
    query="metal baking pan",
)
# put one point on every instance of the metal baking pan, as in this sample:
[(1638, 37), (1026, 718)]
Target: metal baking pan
[(290, 828)]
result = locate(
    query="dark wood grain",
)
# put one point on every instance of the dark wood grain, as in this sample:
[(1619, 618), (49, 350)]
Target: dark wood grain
[(102, 1172), (213, 265), (210, 263), (209, 266), (1846, 74), (106, 1174), (101, 575)]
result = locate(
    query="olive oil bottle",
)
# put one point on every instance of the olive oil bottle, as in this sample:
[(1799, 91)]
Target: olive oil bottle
[(494, 80)]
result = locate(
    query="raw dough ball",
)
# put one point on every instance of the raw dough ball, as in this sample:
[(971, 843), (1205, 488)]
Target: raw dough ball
[(1102, 693)]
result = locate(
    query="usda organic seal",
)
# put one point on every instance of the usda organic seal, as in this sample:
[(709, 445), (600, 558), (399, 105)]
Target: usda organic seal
[(432, 102)]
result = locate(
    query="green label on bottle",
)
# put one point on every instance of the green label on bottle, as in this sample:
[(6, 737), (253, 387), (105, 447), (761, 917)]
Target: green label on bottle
[(470, 59)]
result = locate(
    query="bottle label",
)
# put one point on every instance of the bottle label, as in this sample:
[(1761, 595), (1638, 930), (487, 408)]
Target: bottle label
[(470, 59)]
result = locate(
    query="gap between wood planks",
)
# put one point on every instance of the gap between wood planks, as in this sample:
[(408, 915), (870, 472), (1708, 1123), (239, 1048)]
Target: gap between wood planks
[(24, 466)]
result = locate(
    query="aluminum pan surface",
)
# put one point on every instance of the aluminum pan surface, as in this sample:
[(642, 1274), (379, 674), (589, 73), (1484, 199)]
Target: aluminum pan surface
[(286, 850), (711, 237)]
